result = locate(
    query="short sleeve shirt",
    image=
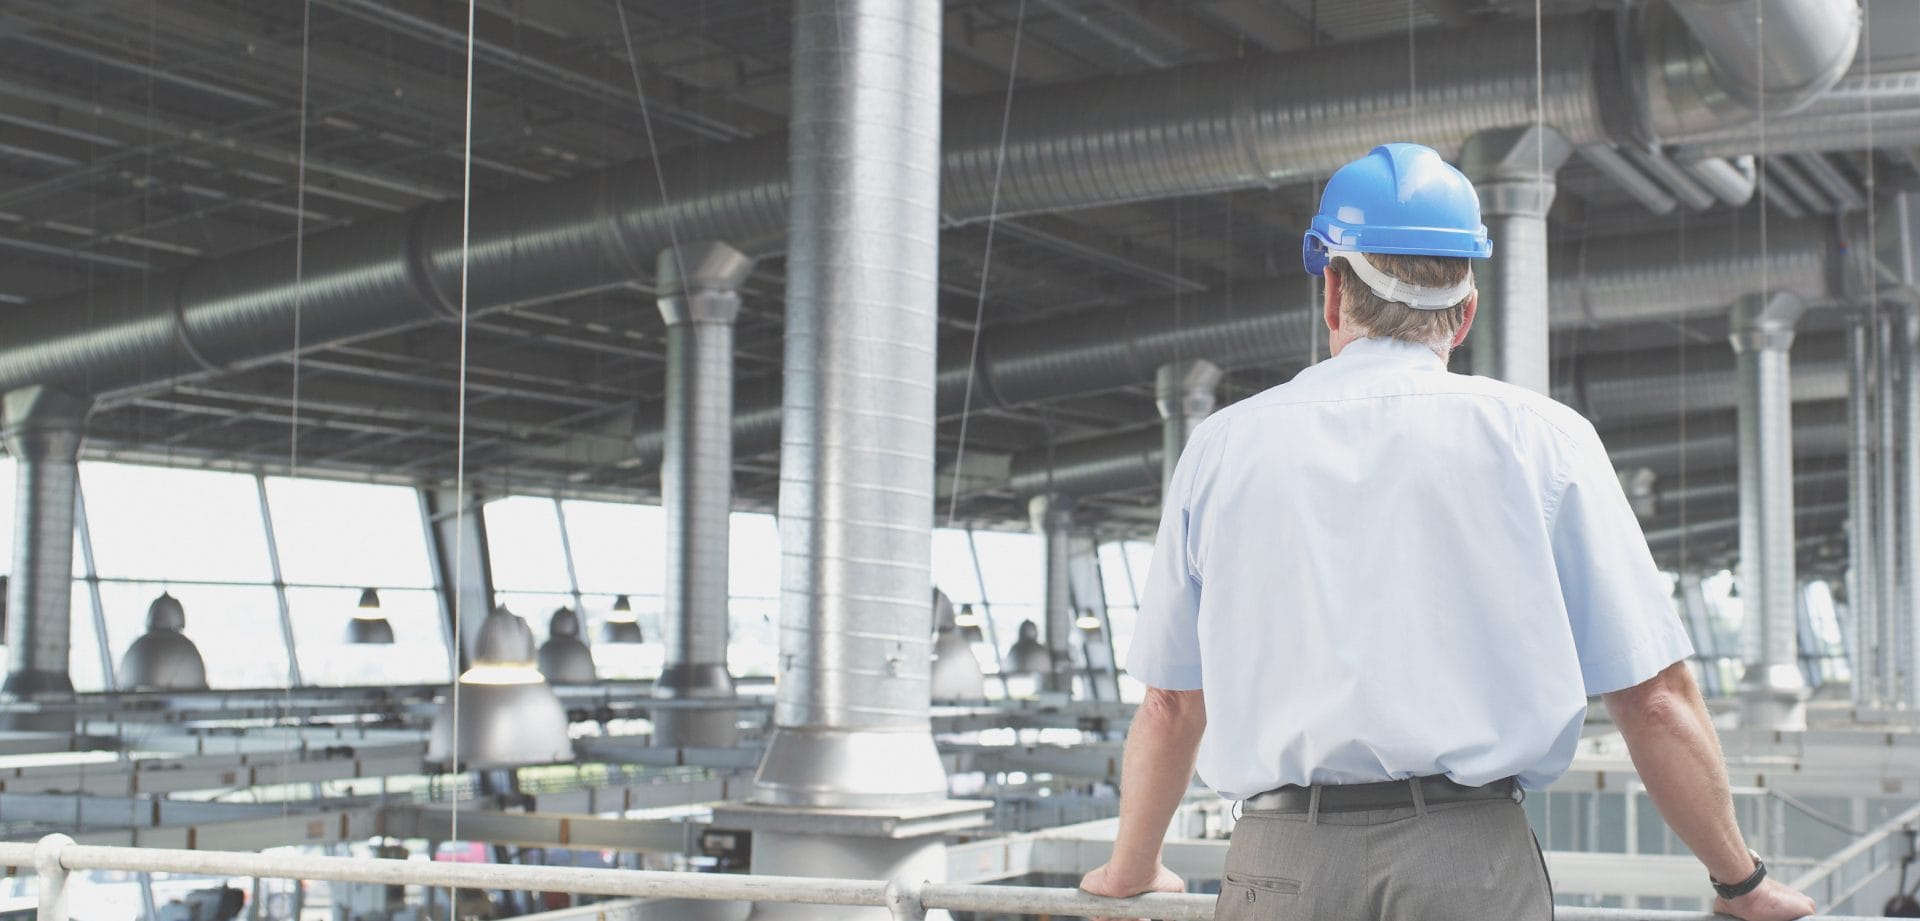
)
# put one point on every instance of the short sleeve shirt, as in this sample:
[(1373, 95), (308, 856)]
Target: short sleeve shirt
[(1382, 570)]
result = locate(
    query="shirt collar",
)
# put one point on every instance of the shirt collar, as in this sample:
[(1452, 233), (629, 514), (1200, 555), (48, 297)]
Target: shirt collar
[(1394, 351)]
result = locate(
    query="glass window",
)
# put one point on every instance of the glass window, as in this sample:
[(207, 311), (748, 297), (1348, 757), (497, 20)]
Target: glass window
[(523, 547), (618, 548), (624, 661), (753, 646), (753, 566), (348, 534), (236, 627), (83, 659), (162, 523), (418, 654), (953, 566), (1114, 577), (1013, 567)]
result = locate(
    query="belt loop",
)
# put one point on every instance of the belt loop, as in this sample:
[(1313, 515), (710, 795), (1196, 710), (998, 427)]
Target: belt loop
[(1419, 796), (1313, 805)]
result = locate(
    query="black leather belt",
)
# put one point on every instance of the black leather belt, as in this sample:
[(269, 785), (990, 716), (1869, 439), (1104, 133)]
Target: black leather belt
[(1392, 794)]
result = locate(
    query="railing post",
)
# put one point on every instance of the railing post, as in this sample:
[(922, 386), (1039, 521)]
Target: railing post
[(53, 877), (903, 899)]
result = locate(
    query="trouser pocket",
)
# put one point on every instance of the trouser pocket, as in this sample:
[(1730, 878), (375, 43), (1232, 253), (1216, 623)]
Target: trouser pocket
[(1245, 897)]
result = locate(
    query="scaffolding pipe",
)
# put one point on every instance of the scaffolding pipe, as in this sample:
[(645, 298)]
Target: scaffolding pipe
[(699, 297), (1894, 626), (1863, 629), (1908, 547), (851, 719), (56, 857), (1773, 691)]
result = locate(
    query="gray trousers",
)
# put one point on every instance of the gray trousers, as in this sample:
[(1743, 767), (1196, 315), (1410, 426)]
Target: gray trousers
[(1471, 861)]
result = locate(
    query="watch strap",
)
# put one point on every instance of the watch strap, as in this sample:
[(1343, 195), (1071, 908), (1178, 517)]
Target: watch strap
[(1731, 891)]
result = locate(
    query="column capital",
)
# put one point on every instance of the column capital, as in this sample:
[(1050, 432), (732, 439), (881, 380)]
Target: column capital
[(1051, 511), (1513, 168), (1186, 388), (700, 282), (45, 423), (1764, 322)]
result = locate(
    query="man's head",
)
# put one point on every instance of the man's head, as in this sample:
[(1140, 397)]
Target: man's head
[(1393, 236), (1354, 310)]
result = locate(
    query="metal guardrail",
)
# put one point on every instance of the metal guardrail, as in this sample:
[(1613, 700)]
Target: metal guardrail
[(54, 857)]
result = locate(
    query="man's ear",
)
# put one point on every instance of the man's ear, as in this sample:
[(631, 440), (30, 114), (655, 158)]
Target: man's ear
[(1466, 321)]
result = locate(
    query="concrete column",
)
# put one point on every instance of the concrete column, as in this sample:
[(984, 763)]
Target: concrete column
[(1186, 393), (44, 428), (1862, 540), (698, 287), (1513, 171), (1053, 520), (1773, 691)]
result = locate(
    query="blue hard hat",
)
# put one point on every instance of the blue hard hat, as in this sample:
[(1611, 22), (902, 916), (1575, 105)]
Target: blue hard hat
[(1402, 199)]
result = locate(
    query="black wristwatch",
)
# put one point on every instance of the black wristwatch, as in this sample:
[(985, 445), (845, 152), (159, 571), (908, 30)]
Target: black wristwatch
[(1731, 891)]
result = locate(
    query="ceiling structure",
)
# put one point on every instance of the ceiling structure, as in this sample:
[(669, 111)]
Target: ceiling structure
[(140, 139)]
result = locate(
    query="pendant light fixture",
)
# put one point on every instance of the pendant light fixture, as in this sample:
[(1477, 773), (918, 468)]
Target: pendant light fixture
[(564, 659), (621, 625), (368, 626), (163, 659), (508, 713)]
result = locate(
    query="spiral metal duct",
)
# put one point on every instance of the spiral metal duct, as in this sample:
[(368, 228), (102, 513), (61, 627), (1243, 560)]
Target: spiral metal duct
[(1626, 280), (1052, 517), (44, 431), (1613, 389), (1195, 130), (1867, 555), (851, 723), (699, 295)]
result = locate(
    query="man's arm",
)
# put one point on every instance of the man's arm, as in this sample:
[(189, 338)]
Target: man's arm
[(1677, 753), (1154, 774)]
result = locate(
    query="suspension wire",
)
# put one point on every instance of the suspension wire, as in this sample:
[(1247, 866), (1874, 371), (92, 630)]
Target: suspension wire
[(460, 452), (653, 149), (1413, 80), (986, 263), (293, 436)]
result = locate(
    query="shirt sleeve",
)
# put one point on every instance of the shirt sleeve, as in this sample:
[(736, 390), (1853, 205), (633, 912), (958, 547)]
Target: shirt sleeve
[(1165, 652), (1625, 627)]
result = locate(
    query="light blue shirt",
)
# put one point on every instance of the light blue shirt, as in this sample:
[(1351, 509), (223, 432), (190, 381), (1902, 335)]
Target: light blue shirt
[(1382, 570)]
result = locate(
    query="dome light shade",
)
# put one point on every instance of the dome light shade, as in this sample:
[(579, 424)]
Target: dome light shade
[(621, 626), (508, 713), (1028, 657), (564, 659), (163, 659), (369, 631), (368, 627), (1087, 622)]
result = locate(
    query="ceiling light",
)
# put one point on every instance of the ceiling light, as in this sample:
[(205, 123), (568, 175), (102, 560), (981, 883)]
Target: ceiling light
[(368, 627), (1027, 656), (621, 604), (1087, 621), (622, 626), (508, 714), (564, 659), (163, 659), (956, 673)]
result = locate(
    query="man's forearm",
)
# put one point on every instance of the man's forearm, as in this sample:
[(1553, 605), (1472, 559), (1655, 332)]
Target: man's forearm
[(1154, 774), (1675, 749)]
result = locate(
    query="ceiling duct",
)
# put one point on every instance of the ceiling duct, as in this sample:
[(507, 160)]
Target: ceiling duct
[(1626, 280), (1200, 129)]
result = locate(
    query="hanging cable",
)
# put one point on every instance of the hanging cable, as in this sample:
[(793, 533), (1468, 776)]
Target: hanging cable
[(293, 435), (460, 450), (986, 264)]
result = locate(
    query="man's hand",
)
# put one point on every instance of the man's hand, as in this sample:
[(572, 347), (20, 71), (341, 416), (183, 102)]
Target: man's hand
[(1104, 880), (1772, 901)]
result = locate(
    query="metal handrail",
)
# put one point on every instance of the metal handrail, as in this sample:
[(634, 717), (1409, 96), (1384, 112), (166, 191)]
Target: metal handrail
[(54, 857)]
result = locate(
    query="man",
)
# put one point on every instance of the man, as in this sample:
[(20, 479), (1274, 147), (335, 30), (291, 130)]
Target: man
[(1380, 599)]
